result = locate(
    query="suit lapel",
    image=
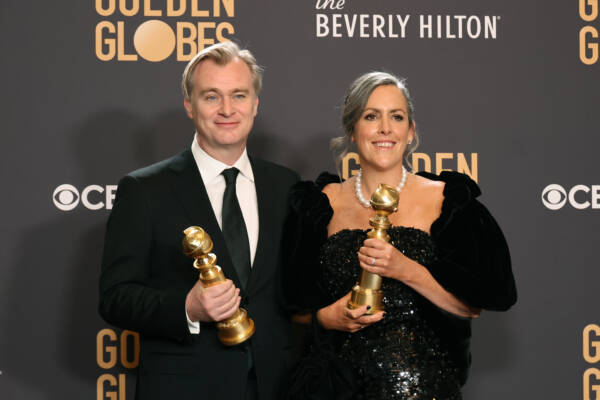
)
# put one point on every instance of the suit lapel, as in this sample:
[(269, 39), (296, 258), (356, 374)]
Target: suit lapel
[(189, 189)]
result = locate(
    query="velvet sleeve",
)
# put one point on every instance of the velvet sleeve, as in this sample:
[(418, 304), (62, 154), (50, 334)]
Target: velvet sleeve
[(304, 233), (473, 259)]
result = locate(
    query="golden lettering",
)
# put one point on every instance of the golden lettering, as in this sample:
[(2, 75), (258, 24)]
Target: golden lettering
[(105, 12), (416, 157), (346, 172), (202, 40), (172, 12), (227, 4), (100, 393), (102, 349), (149, 12), (586, 44), (224, 26), (183, 40), (196, 12), (422, 162), (593, 11), (121, 56), (589, 344), (101, 41), (122, 386), (587, 385), (463, 167), (439, 159), (129, 12), (126, 338)]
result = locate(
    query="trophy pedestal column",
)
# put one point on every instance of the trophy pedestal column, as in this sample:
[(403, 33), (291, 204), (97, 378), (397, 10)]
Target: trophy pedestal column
[(368, 291)]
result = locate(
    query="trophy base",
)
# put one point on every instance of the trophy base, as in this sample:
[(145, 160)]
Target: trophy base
[(363, 297), (236, 329)]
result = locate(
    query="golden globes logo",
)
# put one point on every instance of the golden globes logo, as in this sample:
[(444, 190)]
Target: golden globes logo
[(591, 354), (115, 354), (437, 163), (588, 35), (158, 38)]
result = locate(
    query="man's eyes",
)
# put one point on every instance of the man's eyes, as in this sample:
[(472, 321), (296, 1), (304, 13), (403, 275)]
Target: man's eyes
[(213, 97)]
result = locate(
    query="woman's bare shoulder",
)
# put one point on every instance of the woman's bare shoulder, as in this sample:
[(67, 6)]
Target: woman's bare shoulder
[(336, 192), (427, 187)]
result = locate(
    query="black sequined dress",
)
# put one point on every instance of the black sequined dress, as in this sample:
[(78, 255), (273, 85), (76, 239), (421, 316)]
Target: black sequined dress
[(400, 357), (417, 351)]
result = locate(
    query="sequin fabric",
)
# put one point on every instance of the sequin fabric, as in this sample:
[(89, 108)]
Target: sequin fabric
[(400, 357)]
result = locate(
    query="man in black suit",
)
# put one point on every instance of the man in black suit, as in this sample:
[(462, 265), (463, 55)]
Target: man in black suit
[(149, 286)]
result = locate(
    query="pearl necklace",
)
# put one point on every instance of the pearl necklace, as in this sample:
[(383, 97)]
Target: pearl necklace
[(358, 187)]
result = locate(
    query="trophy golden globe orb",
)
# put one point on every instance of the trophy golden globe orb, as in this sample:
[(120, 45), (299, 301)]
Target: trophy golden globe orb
[(198, 244), (385, 200), (368, 291)]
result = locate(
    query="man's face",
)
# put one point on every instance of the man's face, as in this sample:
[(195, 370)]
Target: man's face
[(222, 105)]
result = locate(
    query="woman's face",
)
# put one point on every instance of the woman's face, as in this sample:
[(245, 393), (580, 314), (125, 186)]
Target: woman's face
[(383, 130)]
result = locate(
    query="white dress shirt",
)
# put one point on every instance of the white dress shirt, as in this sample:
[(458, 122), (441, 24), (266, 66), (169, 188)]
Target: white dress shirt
[(214, 183)]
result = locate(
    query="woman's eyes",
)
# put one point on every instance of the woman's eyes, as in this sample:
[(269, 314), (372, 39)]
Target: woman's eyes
[(373, 116)]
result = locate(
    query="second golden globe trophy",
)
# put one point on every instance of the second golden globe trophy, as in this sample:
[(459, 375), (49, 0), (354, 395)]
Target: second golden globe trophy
[(368, 291), (198, 244)]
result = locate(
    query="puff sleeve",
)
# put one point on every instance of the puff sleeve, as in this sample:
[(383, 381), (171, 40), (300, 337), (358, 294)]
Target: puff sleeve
[(305, 231), (473, 259)]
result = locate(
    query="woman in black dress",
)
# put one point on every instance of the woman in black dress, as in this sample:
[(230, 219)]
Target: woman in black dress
[(447, 259)]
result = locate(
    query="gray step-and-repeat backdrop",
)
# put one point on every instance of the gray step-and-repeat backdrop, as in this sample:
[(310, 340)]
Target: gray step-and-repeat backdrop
[(506, 91)]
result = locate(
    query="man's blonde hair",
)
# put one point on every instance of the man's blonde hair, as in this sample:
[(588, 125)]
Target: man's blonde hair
[(221, 53)]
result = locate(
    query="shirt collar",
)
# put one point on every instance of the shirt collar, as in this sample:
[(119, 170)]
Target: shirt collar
[(211, 168)]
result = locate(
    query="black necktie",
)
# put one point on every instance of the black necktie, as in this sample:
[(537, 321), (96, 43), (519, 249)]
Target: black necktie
[(234, 228)]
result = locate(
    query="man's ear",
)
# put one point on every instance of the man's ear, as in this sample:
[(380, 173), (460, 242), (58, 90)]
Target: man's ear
[(187, 104), (256, 106)]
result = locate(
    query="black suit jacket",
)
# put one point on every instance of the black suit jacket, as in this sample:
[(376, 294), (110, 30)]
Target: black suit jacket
[(145, 279)]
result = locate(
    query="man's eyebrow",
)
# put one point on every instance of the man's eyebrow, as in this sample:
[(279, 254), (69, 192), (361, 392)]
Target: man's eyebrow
[(204, 91), (235, 90)]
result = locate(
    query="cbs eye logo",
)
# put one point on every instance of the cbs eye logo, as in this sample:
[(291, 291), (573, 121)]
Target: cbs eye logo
[(554, 197), (67, 197), (580, 197)]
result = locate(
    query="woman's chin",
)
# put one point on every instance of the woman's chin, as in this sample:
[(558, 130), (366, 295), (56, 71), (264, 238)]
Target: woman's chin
[(382, 164)]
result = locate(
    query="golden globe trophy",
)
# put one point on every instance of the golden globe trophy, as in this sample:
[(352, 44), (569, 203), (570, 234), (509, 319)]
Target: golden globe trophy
[(198, 244), (368, 291)]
